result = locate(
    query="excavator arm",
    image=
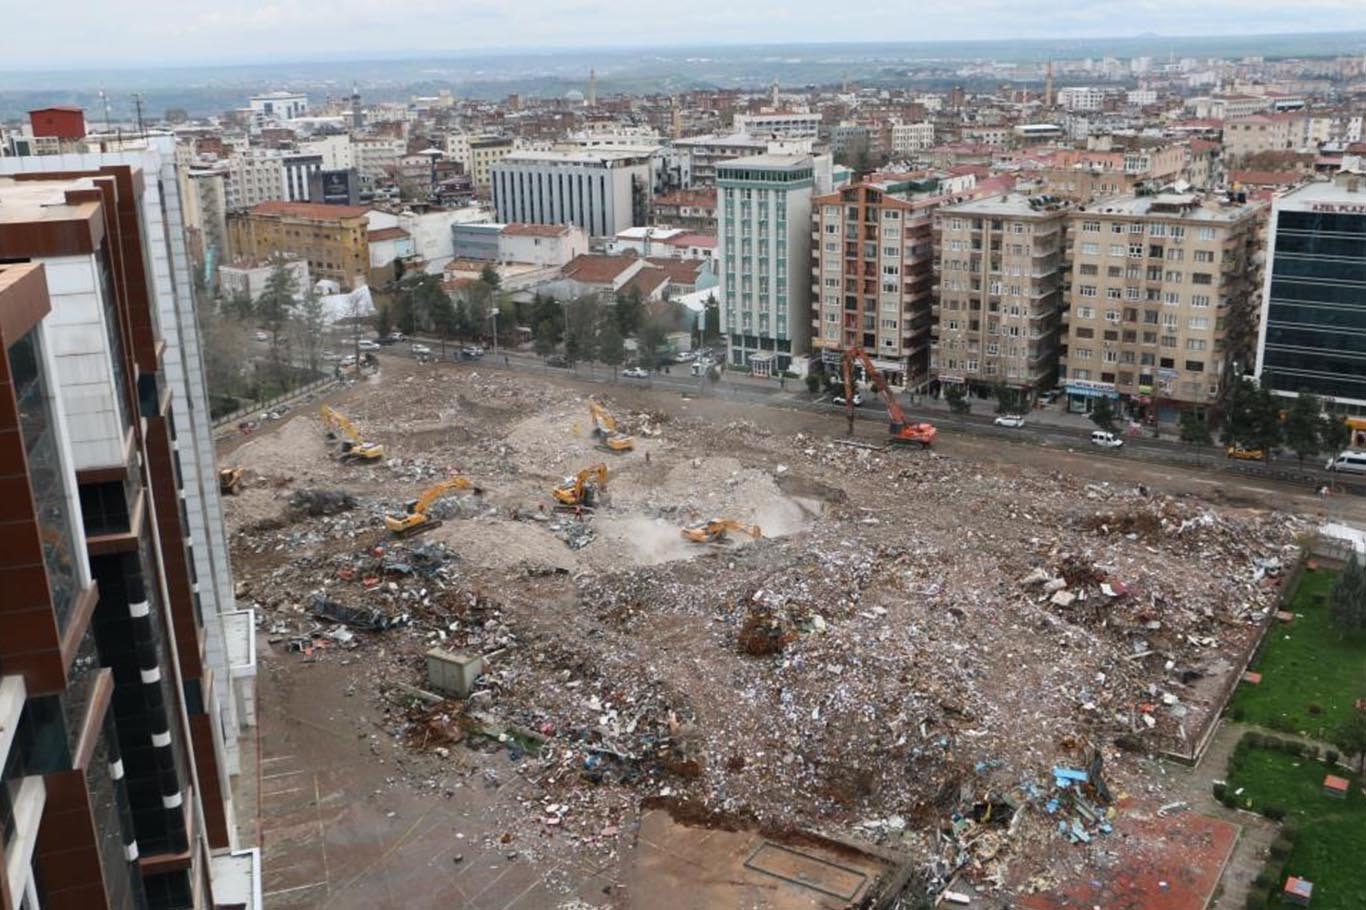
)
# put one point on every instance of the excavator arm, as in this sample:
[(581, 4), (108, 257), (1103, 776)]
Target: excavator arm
[(416, 518), (583, 488), (901, 431), (355, 446), (605, 428), (717, 530)]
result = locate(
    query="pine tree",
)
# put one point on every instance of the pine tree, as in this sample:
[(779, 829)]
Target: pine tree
[(1302, 426), (1347, 601), (1194, 430), (1103, 414)]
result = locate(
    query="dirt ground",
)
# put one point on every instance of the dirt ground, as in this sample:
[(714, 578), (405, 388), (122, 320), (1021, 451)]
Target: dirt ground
[(916, 635)]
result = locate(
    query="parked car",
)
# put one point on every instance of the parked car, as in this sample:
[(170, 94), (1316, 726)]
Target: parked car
[(686, 356), (1241, 454), (1348, 462), (1051, 396), (636, 372), (556, 360), (420, 349), (395, 337), (262, 336), (1105, 439), (330, 356), (348, 360), (1014, 421), (366, 344), (840, 400), (471, 352)]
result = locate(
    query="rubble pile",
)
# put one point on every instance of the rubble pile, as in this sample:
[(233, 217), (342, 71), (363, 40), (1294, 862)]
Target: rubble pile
[(916, 646)]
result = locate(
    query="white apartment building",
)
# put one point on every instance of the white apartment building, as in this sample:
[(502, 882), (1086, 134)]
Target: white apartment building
[(335, 151), (764, 249), (1141, 96), (908, 138), (375, 156), (277, 107), (457, 147), (779, 124), (601, 191), (250, 278), (255, 176), (1081, 98)]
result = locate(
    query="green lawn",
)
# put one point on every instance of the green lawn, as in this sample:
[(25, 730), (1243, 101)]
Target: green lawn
[(1306, 664), (1331, 842)]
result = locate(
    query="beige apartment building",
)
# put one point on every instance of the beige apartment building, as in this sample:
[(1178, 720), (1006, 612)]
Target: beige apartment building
[(872, 262), (1000, 293), (484, 152), (1163, 298), (332, 239), (1248, 136)]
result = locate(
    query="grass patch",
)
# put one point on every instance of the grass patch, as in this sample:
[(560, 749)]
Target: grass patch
[(1331, 836), (1311, 673)]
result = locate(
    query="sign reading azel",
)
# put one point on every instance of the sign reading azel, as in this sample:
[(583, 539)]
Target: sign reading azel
[(1346, 208)]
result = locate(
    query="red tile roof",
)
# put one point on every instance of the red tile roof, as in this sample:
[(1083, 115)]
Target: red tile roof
[(315, 211), (594, 269), (523, 229), (647, 281), (389, 233), (680, 271), (691, 239), (1265, 178)]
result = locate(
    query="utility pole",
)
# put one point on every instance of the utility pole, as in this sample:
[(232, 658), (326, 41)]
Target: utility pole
[(137, 103), (494, 317), (105, 99)]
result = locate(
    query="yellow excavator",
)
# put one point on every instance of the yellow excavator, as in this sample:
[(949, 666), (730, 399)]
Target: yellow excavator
[(353, 446), (610, 439), (230, 480), (583, 489), (717, 529), (416, 519)]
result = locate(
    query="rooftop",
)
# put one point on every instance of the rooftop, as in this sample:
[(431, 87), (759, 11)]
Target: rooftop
[(593, 269), (314, 211), (768, 162), (1176, 206), (523, 229), (1324, 193), (389, 233), (1015, 205), (577, 156)]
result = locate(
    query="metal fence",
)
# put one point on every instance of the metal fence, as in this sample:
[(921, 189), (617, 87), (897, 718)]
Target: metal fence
[(317, 386)]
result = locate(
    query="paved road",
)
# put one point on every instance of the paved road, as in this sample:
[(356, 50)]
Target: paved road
[(1049, 427)]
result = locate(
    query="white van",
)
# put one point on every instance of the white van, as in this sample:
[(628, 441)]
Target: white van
[(1348, 462), (1105, 440)]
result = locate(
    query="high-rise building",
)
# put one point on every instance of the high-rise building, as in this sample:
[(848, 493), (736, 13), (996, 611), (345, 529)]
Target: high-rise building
[(1163, 292), (764, 249), (1000, 293), (484, 152), (125, 669), (873, 260), (1312, 334), (602, 191)]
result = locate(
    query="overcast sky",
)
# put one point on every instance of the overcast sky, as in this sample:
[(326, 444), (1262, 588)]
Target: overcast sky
[(68, 33)]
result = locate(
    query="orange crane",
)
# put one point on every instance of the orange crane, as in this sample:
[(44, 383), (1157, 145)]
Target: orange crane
[(715, 530), (902, 432), (582, 489), (354, 447)]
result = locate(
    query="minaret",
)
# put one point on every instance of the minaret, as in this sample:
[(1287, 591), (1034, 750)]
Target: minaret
[(1048, 86), (592, 99), (775, 94), (676, 117), (357, 118)]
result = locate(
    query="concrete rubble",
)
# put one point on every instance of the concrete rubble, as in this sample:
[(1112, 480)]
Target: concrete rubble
[(959, 661)]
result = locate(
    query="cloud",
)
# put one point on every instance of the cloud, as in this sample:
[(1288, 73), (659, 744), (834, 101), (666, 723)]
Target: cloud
[(161, 31)]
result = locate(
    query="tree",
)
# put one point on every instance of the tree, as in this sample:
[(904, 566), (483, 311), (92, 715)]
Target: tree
[(813, 384), (1103, 414), (238, 305), (629, 310), (310, 322), (545, 338), (1351, 739), (490, 277), (1194, 429), (653, 336), (1347, 600), (224, 338), (711, 320), (1334, 434), (444, 319), (1007, 399), (275, 307), (581, 329), (384, 320), (1266, 430), (957, 398), (611, 348), (1302, 426)]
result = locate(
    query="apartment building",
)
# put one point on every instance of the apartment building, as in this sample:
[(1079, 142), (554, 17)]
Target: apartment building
[(1263, 133), (296, 171), (484, 152), (691, 209), (872, 261), (1081, 98), (119, 700), (1312, 325), (277, 107), (764, 248), (376, 157), (909, 138), (254, 176), (693, 160), (1000, 293), (1163, 292), (332, 239), (779, 124), (600, 190)]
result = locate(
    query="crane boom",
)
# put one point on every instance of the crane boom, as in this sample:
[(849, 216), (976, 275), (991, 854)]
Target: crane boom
[(921, 433)]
